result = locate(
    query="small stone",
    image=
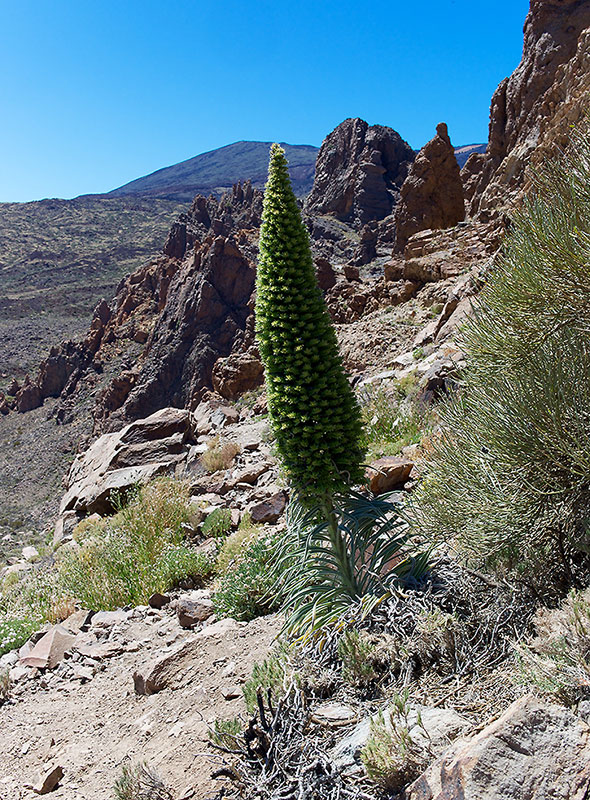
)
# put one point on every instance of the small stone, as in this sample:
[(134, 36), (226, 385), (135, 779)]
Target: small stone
[(190, 611), (107, 619), (229, 670), (269, 510), (388, 473), (158, 600), (30, 553), (231, 692), (49, 779), (334, 715), (50, 649)]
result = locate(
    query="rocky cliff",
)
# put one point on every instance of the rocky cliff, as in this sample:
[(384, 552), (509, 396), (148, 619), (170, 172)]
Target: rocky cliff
[(432, 195), (359, 172), (532, 110)]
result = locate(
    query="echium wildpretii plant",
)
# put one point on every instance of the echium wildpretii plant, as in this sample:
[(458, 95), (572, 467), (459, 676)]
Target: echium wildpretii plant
[(342, 540), (314, 413)]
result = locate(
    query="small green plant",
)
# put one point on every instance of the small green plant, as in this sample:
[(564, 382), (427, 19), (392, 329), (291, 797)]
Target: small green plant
[(418, 353), (140, 782), (357, 654), (220, 455), (268, 675), (140, 551), (246, 590), (321, 584), (236, 544), (217, 523), (4, 686), (392, 756), (558, 660), (227, 734)]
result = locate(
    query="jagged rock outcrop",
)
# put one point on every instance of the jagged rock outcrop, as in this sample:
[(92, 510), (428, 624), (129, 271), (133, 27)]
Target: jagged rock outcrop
[(66, 362), (359, 172), (233, 211), (532, 110), (432, 195), (204, 318), (118, 461)]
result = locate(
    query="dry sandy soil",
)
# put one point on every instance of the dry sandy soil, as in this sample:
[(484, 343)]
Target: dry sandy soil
[(99, 725)]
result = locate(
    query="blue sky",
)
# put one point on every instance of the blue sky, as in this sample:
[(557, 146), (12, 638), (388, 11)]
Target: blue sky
[(95, 93)]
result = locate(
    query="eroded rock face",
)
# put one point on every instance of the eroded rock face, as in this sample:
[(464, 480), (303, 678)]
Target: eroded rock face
[(203, 320), (359, 172), (534, 750), (432, 194), (118, 461), (531, 111)]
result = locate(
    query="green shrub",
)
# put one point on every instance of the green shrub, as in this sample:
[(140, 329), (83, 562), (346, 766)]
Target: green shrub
[(509, 479), (320, 583), (392, 756), (140, 782), (140, 551), (246, 590), (558, 660), (227, 733), (270, 674), (220, 455), (357, 654), (391, 425), (4, 686), (217, 524), (236, 545)]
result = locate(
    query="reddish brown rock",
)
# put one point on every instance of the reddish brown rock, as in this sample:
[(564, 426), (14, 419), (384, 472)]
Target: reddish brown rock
[(28, 397), (191, 610), (388, 473), (269, 510), (359, 172), (432, 194), (236, 374), (325, 274), (205, 312), (532, 110), (49, 779)]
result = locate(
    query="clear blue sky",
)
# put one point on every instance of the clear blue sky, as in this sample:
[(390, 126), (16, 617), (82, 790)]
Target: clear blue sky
[(94, 93)]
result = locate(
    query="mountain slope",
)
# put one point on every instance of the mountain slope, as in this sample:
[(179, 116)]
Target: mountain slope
[(216, 171)]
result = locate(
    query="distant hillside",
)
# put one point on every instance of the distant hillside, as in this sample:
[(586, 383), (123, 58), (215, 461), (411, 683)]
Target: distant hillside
[(59, 257), (216, 171), (462, 153)]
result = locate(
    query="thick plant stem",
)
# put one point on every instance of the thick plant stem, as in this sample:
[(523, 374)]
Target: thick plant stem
[(339, 546)]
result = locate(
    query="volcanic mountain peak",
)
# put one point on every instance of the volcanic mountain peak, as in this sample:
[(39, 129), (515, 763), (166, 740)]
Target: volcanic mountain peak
[(217, 170)]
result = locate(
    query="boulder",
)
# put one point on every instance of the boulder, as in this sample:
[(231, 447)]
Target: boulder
[(119, 461), (175, 667), (269, 510), (432, 194), (534, 750), (194, 608), (388, 473), (50, 649), (30, 553)]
